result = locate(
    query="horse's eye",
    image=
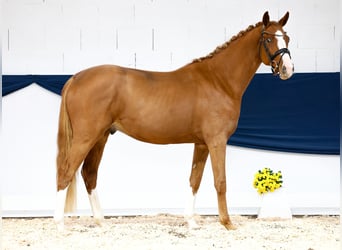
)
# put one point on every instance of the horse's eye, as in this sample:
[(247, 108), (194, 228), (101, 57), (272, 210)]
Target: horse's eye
[(269, 40)]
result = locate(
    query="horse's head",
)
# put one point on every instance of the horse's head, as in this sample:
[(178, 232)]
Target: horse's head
[(273, 47)]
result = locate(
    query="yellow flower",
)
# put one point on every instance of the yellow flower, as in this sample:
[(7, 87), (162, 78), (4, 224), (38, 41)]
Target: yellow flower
[(266, 180)]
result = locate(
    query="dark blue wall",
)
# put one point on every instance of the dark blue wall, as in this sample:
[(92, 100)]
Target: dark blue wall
[(298, 115)]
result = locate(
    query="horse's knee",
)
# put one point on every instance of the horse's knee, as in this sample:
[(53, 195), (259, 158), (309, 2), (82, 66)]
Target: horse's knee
[(221, 186)]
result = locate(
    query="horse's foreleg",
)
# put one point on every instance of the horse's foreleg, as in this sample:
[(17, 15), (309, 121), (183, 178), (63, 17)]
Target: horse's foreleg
[(218, 157), (199, 159), (89, 174)]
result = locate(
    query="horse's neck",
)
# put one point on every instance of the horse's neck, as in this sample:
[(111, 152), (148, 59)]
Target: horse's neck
[(236, 65)]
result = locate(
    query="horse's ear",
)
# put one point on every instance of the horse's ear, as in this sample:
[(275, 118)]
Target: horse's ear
[(266, 19), (283, 21)]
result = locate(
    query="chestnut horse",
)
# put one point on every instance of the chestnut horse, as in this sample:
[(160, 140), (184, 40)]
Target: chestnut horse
[(198, 103)]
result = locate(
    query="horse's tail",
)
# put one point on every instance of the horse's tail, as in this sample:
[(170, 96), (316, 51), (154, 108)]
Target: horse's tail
[(64, 144), (71, 199)]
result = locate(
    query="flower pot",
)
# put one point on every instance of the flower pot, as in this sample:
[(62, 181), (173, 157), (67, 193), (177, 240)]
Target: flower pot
[(274, 205)]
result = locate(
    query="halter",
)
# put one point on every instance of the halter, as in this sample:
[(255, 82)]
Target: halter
[(281, 52)]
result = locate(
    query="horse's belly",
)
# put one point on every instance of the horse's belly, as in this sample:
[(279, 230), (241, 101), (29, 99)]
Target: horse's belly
[(162, 133)]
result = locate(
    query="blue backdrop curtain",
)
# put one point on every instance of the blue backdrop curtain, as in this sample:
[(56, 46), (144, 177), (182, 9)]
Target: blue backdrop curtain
[(301, 114), (298, 115), (54, 83)]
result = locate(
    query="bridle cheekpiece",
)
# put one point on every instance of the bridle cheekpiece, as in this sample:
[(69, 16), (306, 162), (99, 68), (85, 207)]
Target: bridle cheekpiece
[(274, 64)]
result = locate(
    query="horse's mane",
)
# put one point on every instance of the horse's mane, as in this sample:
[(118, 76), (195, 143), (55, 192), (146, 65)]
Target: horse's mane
[(226, 44)]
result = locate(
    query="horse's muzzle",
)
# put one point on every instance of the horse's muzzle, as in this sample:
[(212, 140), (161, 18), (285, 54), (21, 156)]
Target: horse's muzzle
[(286, 72), (286, 68)]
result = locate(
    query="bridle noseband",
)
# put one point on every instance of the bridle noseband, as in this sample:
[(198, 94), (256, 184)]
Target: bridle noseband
[(281, 52)]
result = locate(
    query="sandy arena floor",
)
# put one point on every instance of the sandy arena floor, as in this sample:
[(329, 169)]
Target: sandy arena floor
[(171, 232)]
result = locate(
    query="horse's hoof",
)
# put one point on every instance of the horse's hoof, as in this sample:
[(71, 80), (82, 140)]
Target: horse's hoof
[(192, 224), (98, 221), (230, 226), (60, 227)]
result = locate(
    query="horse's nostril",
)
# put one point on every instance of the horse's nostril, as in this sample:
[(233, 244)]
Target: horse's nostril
[(283, 69)]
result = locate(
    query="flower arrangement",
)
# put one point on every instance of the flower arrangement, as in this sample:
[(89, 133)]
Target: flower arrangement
[(267, 181)]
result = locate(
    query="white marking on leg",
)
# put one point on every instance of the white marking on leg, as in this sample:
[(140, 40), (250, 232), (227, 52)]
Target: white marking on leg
[(95, 206), (190, 211), (59, 211)]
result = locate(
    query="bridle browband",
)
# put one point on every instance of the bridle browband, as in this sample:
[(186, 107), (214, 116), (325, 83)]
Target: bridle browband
[(274, 64)]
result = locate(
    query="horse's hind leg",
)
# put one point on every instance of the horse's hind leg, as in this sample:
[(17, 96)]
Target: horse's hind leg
[(89, 174), (199, 159), (66, 184)]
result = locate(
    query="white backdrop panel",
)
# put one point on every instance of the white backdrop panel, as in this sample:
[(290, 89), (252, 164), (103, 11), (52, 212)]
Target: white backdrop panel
[(141, 178)]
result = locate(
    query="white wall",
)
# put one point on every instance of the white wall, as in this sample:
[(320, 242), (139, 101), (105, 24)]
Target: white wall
[(63, 37)]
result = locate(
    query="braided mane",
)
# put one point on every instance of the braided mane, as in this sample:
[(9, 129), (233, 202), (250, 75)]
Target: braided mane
[(226, 44)]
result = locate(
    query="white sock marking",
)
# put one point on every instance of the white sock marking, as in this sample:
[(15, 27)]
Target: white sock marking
[(59, 211), (190, 210), (95, 206)]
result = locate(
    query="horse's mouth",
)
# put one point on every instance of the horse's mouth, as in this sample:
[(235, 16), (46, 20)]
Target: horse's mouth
[(286, 72)]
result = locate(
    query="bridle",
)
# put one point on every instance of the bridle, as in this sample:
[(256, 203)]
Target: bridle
[(274, 64)]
